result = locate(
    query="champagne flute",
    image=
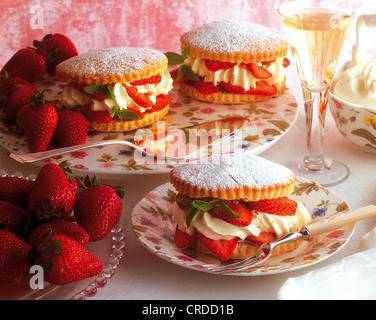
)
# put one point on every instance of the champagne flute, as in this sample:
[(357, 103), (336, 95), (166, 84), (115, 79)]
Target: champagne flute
[(316, 31)]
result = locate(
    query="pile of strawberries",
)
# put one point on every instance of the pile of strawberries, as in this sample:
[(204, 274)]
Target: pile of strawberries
[(49, 221), (41, 122)]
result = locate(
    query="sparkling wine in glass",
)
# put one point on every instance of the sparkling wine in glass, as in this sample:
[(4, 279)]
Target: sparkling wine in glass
[(316, 31)]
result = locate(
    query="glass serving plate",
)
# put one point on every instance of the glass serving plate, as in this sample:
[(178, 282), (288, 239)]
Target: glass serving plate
[(109, 251)]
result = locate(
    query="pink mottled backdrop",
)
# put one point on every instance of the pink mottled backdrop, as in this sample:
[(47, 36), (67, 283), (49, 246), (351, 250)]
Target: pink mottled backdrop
[(156, 24)]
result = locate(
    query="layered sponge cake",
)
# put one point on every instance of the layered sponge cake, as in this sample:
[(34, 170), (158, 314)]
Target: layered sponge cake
[(233, 62), (119, 89), (232, 204)]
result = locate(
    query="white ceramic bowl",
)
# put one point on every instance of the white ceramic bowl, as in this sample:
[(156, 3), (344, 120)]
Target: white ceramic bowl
[(356, 123)]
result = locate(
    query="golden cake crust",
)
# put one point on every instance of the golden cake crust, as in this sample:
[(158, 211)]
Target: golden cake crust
[(235, 41), (245, 249), (123, 64), (227, 97), (129, 125), (233, 177)]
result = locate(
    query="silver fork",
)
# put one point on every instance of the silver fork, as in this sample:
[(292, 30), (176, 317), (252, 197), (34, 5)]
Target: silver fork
[(263, 253), (306, 233)]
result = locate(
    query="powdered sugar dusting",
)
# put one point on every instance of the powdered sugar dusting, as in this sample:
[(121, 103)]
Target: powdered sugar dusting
[(114, 61), (232, 36), (233, 171)]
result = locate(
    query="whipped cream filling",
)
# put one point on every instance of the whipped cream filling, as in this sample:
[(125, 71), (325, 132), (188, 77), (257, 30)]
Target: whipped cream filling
[(358, 84), (72, 96), (237, 75), (218, 229)]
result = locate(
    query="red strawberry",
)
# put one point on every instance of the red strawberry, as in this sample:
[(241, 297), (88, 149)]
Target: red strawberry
[(258, 72), (39, 120), (241, 209), (262, 88), (52, 184), (204, 87), (286, 62), (215, 65), (221, 248), (154, 79), (174, 76), (183, 196), (96, 116), (15, 190), (280, 206), (138, 97), (28, 64), (95, 96), (69, 260), (98, 209), (232, 88), (18, 96), (262, 237), (161, 102), (7, 82), (184, 240), (57, 48), (71, 128), (59, 226), (15, 219), (13, 256)]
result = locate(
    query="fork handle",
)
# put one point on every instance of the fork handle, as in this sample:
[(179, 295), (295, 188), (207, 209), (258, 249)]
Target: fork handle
[(341, 220)]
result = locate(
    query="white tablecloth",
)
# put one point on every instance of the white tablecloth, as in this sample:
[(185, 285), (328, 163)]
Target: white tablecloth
[(142, 275)]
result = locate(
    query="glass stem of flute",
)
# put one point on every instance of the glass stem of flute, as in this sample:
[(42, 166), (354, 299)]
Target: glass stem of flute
[(315, 105)]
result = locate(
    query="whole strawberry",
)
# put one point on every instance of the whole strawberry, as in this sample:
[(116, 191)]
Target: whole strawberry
[(28, 64), (14, 219), (59, 226), (98, 209), (6, 83), (57, 48), (52, 188), (13, 256), (71, 128), (15, 190), (68, 261), (39, 119), (18, 96)]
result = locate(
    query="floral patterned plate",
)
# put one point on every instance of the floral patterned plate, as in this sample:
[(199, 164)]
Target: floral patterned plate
[(270, 120), (154, 226)]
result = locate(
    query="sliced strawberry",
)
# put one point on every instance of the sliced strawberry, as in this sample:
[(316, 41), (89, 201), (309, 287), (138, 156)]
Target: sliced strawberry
[(240, 208), (262, 89), (262, 237), (161, 102), (227, 86), (95, 96), (183, 196), (96, 116), (286, 62), (154, 79), (184, 240), (138, 97), (204, 87), (174, 76), (215, 65), (283, 206), (258, 72), (221, 248)]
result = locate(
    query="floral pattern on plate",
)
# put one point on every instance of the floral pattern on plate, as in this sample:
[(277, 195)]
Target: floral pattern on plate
[(270, 120), (154, 226)]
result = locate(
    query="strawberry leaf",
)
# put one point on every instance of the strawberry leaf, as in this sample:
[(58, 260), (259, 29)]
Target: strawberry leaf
[(124, 114), (100, 89)]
